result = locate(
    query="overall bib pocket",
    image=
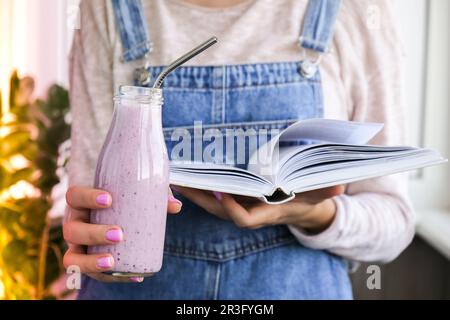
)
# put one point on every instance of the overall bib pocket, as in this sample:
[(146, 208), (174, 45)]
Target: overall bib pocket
[(250, 101)]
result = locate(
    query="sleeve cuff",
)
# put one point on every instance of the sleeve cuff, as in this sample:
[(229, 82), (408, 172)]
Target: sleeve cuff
[(325, 239)]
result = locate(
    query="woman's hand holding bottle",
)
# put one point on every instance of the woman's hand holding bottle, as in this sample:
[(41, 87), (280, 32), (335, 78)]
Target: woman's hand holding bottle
[(79, 233)]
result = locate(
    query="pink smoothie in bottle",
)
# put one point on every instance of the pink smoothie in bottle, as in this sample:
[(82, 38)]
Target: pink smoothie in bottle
[(133, 167)]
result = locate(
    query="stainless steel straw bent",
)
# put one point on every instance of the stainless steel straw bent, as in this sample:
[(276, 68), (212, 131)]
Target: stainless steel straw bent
[(186, 57)]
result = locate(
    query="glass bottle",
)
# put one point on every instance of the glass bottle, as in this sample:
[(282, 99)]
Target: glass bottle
[(133, 167)]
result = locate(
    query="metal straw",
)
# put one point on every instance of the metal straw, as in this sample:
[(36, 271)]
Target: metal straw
[(171, 67)]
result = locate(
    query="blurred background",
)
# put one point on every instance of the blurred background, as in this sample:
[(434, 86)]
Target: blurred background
[(35, 38)]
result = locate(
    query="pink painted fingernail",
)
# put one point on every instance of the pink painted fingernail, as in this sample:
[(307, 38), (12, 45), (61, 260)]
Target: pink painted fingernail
[(105, 262), (114, 235), (172, 199), (103, 199), (218, 195), (137, 279)]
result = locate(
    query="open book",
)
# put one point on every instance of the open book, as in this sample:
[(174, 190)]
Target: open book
[(337, 154)]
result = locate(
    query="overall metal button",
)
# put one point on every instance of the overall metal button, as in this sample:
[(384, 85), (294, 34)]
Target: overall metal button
[(308, 68), (142, 76)]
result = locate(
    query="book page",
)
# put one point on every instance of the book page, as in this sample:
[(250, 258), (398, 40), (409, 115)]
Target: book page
[(216, 177), (327, 175), (335, 131), (266, 160)]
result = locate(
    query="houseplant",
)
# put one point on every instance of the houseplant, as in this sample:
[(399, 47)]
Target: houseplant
[(31, 243)]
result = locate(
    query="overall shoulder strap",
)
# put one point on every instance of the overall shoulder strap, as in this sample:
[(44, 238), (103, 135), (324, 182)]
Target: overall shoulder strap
[(318, 24), (132, 27)]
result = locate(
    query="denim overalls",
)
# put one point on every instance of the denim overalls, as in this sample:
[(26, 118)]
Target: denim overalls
[(206, 257)]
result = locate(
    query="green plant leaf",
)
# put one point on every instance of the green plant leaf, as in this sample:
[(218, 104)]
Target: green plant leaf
[(3, 176), (35, 215), (14, 143), (46, 164), (30, 151), (18, 261), (22, 174), (53, 270), (47, 182), (13, 89), (24, 220)]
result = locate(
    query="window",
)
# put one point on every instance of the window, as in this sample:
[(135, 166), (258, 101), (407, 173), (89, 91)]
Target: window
[(425, 28)]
